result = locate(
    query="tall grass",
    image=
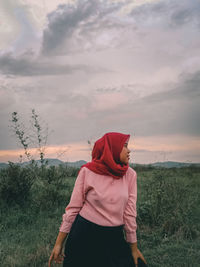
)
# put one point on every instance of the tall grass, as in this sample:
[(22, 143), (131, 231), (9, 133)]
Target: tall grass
[(168, 203)]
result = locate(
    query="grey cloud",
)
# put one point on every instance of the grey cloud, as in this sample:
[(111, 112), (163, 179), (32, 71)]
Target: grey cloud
[(173, 111), (73, 101), (189, 12), (28, 35), (86, 17), (168, 12), (74, 117), (188, 89), (63, 21), (26, 66)]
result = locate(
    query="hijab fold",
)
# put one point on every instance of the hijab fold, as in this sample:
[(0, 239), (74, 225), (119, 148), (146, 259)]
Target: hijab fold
[(106, 155)]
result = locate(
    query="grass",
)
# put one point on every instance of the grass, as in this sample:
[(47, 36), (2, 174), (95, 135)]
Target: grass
[(28, 232)]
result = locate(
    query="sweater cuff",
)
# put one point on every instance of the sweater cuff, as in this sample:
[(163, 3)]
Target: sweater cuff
[(65, 228), (131, 237)]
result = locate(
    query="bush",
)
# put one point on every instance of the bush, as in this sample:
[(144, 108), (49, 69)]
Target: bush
[(15, 184), (50, 187), (142, 167), (43, 186), (168, 204)]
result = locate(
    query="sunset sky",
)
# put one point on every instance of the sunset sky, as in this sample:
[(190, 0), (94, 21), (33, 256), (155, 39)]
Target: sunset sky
[(91, 67)]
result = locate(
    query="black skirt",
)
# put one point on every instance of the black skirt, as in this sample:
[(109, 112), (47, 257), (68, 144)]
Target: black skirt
[(91, 245)]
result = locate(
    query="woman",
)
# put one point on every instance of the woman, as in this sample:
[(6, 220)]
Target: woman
[(101, 209)]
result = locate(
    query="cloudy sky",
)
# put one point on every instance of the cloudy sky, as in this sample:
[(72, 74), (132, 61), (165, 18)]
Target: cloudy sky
[(90, 67)]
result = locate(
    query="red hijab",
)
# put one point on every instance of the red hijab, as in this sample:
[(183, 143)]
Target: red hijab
[(106, 155)]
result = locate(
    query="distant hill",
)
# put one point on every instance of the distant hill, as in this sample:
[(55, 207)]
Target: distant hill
[(78, 164), (51, 162), (3, 165), (170, 164)]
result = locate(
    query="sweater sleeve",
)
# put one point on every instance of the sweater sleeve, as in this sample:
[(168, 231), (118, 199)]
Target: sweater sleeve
[(130, 212), (75, 204)]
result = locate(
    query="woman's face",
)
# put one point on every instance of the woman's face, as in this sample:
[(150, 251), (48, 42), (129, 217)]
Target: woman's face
[(125, 154)]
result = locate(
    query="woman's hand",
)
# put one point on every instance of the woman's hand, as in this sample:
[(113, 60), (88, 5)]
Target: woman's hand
[(56, 255), (137, 254)]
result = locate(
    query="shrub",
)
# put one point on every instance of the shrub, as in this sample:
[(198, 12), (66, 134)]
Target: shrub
[(50, 187), (15, 184), (168, 204)]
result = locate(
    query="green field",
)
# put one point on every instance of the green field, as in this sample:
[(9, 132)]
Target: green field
[(33, 201)]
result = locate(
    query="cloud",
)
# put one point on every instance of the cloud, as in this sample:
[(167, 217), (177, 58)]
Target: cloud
[(186, 90), (80, 26), (24, 65), (173, 111), (187, 13), (168, 12), (107, 66), (63, 21)]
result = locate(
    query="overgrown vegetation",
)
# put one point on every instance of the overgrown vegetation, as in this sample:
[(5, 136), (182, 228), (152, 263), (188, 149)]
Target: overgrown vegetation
[(168, 204), (33, 199)]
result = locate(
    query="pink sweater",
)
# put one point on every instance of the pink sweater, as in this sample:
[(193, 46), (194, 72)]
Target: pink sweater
[(104, 200)]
